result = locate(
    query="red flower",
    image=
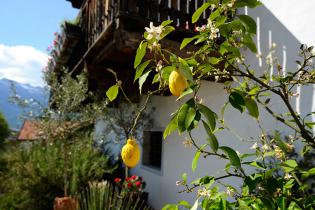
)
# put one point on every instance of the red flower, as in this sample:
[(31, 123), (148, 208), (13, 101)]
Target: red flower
[(117, 180), (138, 184), (133, 177), (127, 179), (129, 185)]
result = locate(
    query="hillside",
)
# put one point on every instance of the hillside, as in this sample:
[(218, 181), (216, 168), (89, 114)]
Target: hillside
[(13, 112)]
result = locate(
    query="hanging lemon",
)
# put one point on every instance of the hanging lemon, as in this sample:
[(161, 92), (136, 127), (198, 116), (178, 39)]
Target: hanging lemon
[(130, 153), (177, 83)]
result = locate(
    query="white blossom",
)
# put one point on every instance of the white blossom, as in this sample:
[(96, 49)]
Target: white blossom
[(159, 66), (287, 176), (230, 191), (187, 143), (265, 147), (204, 192), (154, 31), (278, 152), (254, 146)]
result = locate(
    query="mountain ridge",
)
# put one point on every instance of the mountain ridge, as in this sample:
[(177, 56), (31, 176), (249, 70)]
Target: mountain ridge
[(12, 112)]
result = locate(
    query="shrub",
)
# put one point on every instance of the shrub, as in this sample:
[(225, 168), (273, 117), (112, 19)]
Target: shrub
[(34, 172)]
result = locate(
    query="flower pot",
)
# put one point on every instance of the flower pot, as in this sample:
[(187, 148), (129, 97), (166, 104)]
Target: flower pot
[(66, 203)]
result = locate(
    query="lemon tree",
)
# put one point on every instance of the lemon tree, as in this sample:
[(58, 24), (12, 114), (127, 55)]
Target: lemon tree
[(279, 182)]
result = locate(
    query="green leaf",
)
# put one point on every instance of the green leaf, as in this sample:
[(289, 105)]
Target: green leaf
[(214, 15), (247, 40), (142, 79), (166, 31), (209, 115), (156, 78), (310, 125), (140, 53), (186, 41), (186, 115), (249, 23), (254, 91), (184, 177), (195, 161), (186, 92), (294, 206), (171, 127), (166, 22), (199, 11), (112, 92), (252, 107), (214, 60), (184, 204), (185, 70), (195, 206), (281, 201), (237, 101), (249, 3), (166, 71), (234, 159), (289, 165), (311, 171), (141, 68), (257, 165), (170, 207), (213, 141)]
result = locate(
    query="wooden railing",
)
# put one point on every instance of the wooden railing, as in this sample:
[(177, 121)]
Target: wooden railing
[(97, 15)]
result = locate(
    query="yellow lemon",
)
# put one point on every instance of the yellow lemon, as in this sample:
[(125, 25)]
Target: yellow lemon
[(177, 83), (130, 153)]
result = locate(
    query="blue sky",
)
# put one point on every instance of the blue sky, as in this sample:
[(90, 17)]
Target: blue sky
[(27, 29)]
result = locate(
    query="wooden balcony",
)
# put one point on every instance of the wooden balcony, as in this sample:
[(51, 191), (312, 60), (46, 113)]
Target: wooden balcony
[(99, 15), (112, 29)]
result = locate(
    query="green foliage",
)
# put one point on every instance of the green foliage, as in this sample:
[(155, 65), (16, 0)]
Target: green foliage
[(34, 172), (112, 92), (106, 196), (4, 129)]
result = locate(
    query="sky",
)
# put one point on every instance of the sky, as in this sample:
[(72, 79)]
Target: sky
[(27, 27), (26, 30)]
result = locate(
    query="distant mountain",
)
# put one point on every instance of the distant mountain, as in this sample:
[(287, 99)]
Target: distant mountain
[(12, 112)]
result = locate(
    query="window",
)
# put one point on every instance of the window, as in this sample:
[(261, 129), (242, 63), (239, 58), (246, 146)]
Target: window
[(152, 149)]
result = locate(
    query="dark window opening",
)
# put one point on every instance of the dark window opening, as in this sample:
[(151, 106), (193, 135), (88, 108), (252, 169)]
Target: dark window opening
[(152, 149)]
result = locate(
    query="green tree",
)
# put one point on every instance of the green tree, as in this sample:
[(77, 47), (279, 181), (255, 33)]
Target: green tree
[(4, 129)]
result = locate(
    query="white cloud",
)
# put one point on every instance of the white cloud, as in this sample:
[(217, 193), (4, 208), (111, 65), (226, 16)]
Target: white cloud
[(23, 64)]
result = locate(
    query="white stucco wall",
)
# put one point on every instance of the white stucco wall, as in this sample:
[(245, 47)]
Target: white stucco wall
[(176, 159)]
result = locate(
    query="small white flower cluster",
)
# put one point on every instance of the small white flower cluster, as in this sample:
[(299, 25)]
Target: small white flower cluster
[(187, 143), (230, 191), (231, 4), (270, 57), (180, 182), (213, 30), (154, 32), (278, 152), (265, 148), (203, 192), (159, 66)]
